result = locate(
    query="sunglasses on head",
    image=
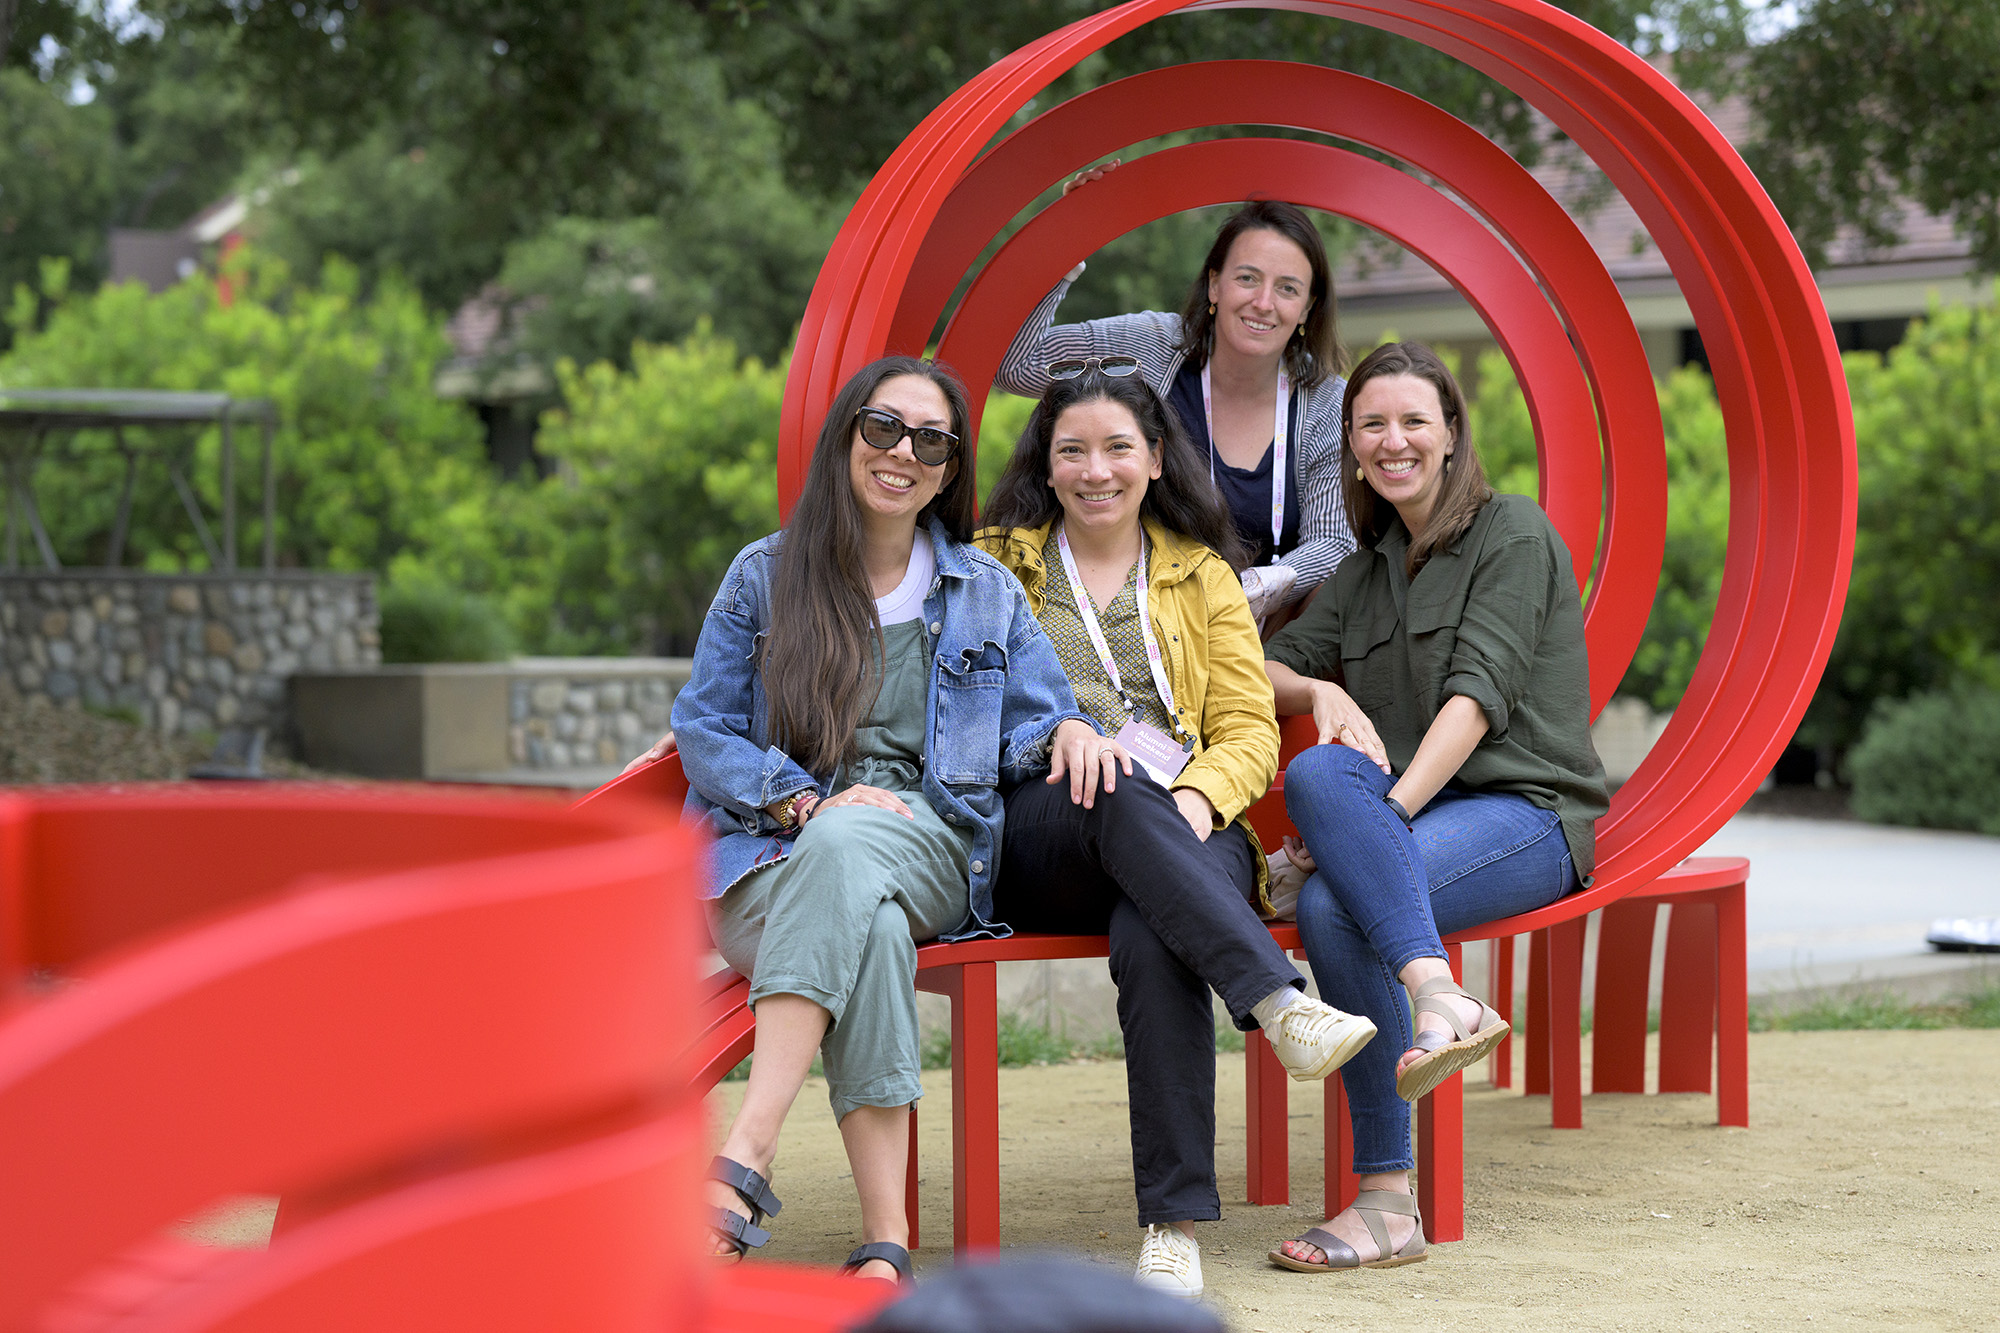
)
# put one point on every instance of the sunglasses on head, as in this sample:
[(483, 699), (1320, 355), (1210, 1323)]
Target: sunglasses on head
[(1116, 367), (885, 430)]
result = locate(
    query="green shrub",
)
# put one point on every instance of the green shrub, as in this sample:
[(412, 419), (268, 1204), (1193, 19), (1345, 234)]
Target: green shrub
[(369, 460), (1920, 613), (1932, 760), (434, 622), (664, 472)]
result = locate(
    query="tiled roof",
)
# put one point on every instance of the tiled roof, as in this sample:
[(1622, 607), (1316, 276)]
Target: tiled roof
[(1613, 227)]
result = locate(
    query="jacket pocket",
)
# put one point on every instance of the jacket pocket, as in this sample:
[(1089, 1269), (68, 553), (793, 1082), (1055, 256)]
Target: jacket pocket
[(965, 746)]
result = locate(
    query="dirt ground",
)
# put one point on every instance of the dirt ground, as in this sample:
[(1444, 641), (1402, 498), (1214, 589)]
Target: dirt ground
[(1864, 1196)]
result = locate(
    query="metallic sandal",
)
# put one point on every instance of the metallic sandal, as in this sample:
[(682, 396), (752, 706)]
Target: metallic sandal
[(1446, 1055), (1372, 1205)]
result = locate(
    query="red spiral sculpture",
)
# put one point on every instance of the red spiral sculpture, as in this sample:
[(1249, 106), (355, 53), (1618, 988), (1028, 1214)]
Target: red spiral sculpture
[(1514, 254)]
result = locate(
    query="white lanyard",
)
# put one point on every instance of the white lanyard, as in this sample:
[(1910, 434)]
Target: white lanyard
[(1088, 615), (1279, 431)]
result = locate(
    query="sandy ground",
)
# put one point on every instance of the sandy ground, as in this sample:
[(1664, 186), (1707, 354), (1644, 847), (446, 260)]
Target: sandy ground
[(1864, 1196)]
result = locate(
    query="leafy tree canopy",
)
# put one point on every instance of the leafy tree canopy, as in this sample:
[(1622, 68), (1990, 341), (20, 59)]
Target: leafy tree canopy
[(1862, 104)]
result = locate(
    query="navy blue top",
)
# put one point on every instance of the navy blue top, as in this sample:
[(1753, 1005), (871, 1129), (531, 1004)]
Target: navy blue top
[(1247, 491)]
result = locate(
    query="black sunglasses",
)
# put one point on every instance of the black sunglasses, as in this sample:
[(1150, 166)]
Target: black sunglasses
[(885, 430), (1117, 367)]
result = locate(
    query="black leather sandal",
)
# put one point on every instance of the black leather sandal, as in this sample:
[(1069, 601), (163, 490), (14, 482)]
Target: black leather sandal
[(888, 1252), (740, 1233)]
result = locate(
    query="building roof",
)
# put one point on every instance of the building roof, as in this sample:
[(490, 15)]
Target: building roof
[(1383, 276)]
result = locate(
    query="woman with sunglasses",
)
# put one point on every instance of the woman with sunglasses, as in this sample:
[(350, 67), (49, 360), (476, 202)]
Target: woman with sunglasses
[(865, 688), (1251, 366), (1106, 516), (1454, 783)]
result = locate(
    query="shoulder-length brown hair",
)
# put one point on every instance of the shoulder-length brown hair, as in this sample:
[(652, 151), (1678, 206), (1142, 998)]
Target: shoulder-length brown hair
[(1464, 491), (1182, 500), (823, 617), (1311, 355)]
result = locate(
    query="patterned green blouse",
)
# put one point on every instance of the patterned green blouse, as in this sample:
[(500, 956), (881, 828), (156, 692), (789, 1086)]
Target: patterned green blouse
[(1120, 623)]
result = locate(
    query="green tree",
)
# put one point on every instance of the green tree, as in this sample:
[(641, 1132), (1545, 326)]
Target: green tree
[(663, 474), (848, 79), (1862, 106), (1921, 613), (57, 168), (369, 460)]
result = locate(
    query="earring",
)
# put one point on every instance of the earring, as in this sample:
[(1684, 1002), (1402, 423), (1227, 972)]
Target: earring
[(1358, 476), (1211, 307)]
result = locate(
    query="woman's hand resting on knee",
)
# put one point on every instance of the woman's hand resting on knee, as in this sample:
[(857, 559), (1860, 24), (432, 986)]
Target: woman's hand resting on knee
[(861, 794), (1077, 752), (1341, 722)]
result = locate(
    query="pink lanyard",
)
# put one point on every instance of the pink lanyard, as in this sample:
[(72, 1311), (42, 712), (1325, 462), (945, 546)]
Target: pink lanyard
[(1279, 431), (1088, 615)]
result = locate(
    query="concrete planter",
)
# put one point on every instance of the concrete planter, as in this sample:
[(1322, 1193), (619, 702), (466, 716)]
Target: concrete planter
[(554, 721)]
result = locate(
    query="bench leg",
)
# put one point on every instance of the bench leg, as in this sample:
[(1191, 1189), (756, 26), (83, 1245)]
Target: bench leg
[(1618, 1023), (1566, 1024), (1687, 996), (1732, 1046), (1441, 1146), (1267, 1133), (1441, 1160), (1342, 1185), (1500, 1072), (975, 1101), (1537, 1083), (910, 1180)]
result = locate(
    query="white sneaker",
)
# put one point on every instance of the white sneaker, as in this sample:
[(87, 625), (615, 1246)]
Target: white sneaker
[(1312, 1038), (1169, 1261)]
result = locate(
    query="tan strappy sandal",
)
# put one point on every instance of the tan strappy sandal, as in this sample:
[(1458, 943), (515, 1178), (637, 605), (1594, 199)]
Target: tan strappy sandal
[(1372, 1205), (1446, 1055)]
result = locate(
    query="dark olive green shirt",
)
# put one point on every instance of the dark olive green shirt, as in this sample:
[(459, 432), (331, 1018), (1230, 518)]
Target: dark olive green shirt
[(1494, 617)]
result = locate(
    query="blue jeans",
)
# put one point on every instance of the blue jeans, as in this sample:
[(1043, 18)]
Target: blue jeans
[(1384, 893)]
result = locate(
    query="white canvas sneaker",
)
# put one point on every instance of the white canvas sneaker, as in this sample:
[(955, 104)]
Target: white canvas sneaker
[(1169, 1261), (1312, 1038)]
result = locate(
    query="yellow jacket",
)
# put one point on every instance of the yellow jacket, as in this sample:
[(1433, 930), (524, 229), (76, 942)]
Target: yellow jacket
[(1215, 664)]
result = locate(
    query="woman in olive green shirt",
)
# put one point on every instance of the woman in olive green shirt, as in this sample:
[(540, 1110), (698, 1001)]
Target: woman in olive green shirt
[(1455, 781)]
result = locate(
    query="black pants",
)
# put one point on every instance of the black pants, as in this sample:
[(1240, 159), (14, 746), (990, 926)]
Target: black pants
[(1179, 914)]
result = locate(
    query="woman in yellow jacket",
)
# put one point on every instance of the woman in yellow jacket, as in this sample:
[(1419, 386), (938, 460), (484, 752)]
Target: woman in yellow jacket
[(1106, 509)]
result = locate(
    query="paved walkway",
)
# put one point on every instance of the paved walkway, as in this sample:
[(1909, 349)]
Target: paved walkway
[(1833, 901)]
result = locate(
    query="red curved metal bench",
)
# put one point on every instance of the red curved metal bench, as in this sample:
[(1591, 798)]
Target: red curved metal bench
[(945, 193), (453, 1032)]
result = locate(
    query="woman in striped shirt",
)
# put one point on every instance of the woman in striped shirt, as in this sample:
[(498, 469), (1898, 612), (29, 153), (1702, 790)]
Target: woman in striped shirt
[(1251, 366)]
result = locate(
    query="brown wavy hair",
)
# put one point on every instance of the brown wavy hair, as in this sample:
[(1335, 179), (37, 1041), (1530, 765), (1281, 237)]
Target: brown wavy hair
[(1310, 356), (1464, 491), (823, 620)]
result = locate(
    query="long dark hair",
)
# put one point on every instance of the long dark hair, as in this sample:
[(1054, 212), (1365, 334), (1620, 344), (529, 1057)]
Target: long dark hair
[(1311, 355), (822, 609), (1182, 500), (1464, 491)]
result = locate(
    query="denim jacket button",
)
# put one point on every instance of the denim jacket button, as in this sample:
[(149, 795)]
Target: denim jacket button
[(978, 867), (937, 627)]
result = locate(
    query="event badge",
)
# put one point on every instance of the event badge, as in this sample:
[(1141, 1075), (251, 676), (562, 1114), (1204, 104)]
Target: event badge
[(1153, 750)]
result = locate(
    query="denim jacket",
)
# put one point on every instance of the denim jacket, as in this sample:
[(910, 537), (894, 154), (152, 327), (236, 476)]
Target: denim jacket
[(998, 693)]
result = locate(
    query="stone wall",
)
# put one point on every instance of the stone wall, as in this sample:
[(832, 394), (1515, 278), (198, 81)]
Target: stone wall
[(583, 713), (184, 653)]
